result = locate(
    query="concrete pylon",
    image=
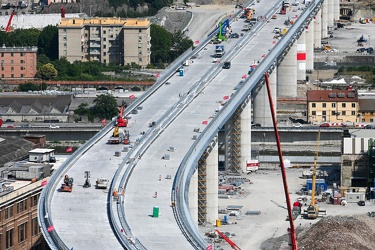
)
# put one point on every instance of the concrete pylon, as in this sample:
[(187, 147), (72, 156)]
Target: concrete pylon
[(211, 186), (325, 19), (310, 46), (193, 197), (336, 10), (318, 29), (245, 135), (331, 11), (301, 57), (261, 106), (287, 74)]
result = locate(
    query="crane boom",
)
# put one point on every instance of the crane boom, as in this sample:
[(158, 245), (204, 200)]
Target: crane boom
[(231, 243), (312, 210), (7, 29)]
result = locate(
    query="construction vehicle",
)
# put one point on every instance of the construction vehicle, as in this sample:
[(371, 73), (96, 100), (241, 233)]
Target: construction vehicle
[(67, 186), (219, 51), (126, 137), (283, 9), (249, 14), (313, 210), (118, 136), (102, 183), (8, 27), (231, 243), (121, 121), (223, 30)]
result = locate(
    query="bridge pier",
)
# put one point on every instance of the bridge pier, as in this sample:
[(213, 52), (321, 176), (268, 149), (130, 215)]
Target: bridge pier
[(287, 74), (301, 57), (324, 20), (193, 197), (310, 46), (336, 10), (318, 29)]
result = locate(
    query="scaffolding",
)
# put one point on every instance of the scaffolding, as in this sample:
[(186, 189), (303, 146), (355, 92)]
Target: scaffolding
[(202, 184), (371, 162)]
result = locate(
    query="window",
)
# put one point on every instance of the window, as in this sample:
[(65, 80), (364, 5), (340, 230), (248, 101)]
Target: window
[(22, 232), (2, 68), (353, 104), (324, 113), (313, 113), (104, 32), (313, 105), (324, 105), (333, 105), (35, 226), (11, 54), (371, 120), (333, 112), (371, 113), (105, 53), (347, 163), (22, 75), (139, 45), (9, 239), (21, 206), (104, 39), (139, 30), (104, 46), (22, 61), (22, 54), (2, 75), (2, 54), (22, 68), (343, 105), (324, 118), (140, 52), (12, 75), (11, 61), (343, 112), (11, 68), (9, 212), (353, 112), (34, 200)]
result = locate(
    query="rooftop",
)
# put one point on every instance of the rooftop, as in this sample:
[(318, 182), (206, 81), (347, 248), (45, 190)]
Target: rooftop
[(332, 96), (41, 150), (18, 49), (80, 22)]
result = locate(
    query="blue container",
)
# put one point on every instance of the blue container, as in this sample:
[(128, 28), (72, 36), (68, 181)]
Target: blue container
[(226, 219), (181, 72), (319, 184)]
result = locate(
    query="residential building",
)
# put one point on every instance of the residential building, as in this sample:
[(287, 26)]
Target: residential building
[(366, 111), (107, 40), (332, 106), (18, 62)]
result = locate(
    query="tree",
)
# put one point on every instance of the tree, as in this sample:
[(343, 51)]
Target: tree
[(47, 72), (48, 42), (105, 107), (161, 43)]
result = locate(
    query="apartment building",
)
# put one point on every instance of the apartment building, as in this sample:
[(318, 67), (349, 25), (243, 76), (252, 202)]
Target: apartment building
[(366, 109), (107, 40), (18, 62), (19, 228), (332, 106)]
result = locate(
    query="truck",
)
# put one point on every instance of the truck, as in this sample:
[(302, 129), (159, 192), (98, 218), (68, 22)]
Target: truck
[(119, 136), (219, 51), (252, 166)]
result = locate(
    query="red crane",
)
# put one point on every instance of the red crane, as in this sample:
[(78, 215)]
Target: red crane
[(7, 29), (291, 230), (121, 121), (231, 243), (62, 12)]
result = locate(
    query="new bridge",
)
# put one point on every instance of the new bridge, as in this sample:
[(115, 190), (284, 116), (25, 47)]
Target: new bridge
[(172, 165)]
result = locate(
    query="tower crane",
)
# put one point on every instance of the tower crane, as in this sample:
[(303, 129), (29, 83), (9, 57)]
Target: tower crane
[(313, 210)]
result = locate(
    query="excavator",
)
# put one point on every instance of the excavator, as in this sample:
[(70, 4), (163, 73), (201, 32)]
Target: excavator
[(67, 186), (313, 210), (231, 243)]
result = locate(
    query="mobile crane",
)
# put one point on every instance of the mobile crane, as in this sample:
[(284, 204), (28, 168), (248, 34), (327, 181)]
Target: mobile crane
[(121, 121), (67, 186), (231, 243), (8, 28), (313, 210)]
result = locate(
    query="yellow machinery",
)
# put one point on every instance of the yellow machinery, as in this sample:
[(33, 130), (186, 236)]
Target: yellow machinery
[(115, 132), (249, 15), (313, 210)]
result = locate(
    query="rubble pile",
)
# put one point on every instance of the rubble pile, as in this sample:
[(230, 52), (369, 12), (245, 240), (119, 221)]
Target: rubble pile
[(339, 232)]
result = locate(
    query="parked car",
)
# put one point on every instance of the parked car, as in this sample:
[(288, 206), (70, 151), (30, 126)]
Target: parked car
[(361, 50), (226, 65), (256, 125), (297, 125), (234, 35), (53, 126), (324, 125), (11, 126)]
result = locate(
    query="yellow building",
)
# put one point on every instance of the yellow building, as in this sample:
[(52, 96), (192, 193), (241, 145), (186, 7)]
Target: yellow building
[(366, 109), (107, 40), (332, 106)]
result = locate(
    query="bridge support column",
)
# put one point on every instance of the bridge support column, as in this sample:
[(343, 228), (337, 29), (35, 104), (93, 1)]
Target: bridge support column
[(336, 10), (310, 46), (331, 13), (301, 57), (287, 74), (193, 197), (246, 133), (212, 185), (318, 29), (325, 19)]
